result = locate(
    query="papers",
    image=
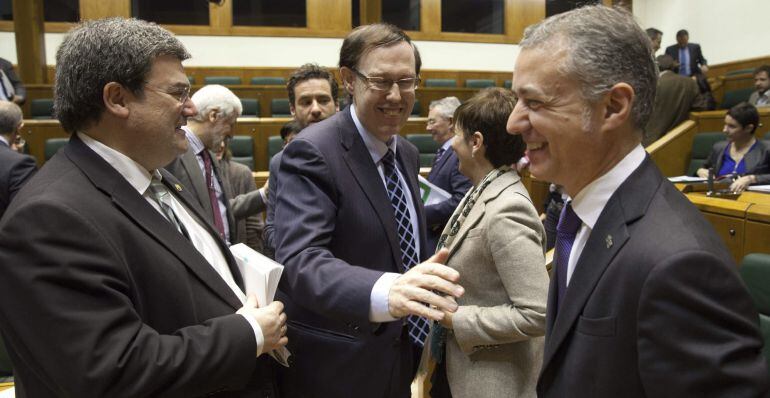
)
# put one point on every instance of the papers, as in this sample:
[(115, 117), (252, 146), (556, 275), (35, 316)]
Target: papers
[(760, 188), (686, 179), (9, 393), (430, 193), (260, 278)]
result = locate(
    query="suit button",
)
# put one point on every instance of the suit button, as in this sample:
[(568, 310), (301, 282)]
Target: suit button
[(356, 328)]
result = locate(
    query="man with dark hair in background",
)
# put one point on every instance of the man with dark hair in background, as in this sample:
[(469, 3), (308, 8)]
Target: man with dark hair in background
[(312, 97), (761, 97), (675, 97), (15, 168), (351, 233), (656, 36), (645, 300), (113, 283), (688, 56)]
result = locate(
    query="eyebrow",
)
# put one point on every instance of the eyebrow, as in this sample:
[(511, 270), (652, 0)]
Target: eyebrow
[(528, 89)]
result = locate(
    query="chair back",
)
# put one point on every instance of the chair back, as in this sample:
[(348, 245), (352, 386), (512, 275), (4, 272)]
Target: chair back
[(52, 145), (242, 148), (274, 145), (755, 272), (223, 80), (734, 97), (279, 107), (41, 108), (268, 81), (250, 107), (479, 83), (702, 144), (425, 146), (440, 83)]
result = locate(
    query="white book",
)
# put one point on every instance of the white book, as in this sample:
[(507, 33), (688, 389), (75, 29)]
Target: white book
[(686, 179), (260, 277), (430, 193), (760, 188)]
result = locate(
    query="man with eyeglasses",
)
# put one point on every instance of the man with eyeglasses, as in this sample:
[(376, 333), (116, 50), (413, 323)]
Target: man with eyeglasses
[(15, 168), (113, 282), (199, 171), (350, 230)]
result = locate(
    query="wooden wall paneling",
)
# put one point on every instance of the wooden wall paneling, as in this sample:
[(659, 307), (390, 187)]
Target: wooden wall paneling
[(30, 41), (36, 132), (96, 9), (371, 11), (731, 230), (521, 13), (715, 121), (738, 81), (721, 69), (671, 153), (221, 17), (329, 15), (430, 17), (757, 229)]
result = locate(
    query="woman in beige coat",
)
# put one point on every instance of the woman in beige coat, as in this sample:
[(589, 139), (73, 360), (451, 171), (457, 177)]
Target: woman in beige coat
[(493, 344)]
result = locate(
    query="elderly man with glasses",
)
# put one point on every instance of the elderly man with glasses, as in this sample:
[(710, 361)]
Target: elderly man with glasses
[(350, 230)]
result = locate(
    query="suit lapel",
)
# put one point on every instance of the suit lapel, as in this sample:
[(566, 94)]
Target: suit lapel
[(227, 194), (361, 165), (752, 157), (197, 180), (136, 208), (442, 162), (607, 238)]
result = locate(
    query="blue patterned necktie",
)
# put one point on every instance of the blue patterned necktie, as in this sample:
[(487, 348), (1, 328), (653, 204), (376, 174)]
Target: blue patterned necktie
[(566, 230), (418, 327), (439, 153)]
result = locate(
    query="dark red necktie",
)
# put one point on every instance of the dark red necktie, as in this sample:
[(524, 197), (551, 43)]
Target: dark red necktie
[(212, 193)]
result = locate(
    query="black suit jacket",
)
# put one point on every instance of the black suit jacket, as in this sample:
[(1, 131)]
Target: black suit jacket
[(268, 235), (446, 176), (111, 301), (655, 307), (18, 87), (15, 170), (696, 56), (757, 160), (336, 235)]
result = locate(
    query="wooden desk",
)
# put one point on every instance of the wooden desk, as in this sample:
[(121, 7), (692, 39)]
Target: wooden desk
[(5, 386)]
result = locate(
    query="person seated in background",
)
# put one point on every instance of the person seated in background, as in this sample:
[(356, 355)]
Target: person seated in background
[(241, 182), (218, 111), (15, 168), (492, 346), (761, 97), (11, 88), (741, 157), (312, 98), (443, 172), (675, 97)]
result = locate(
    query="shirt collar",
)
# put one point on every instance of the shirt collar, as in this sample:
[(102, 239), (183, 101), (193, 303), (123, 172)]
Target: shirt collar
[(446, 144), (377, 149), (195, 143), (133, 172), (591, 200), (3, 140)]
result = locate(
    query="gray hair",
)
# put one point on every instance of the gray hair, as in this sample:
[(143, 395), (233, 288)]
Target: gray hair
[(10, 117), (98, 52), (215, 96), (445, 106), (605, 46)]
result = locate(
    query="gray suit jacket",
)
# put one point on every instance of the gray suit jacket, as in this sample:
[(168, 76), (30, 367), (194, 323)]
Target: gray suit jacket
[(757, 160), (654, 308), (15, 170), (496, 346), (241, 182)]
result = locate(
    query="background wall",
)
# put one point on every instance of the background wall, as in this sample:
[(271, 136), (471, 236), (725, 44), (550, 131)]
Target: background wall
[(726, 30), (290, 51)]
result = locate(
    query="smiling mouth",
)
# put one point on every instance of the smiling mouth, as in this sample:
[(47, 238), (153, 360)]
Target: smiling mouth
[(536, 146), (391, 112)]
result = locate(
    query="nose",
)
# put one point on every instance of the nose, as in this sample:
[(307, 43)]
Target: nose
[(315, 109), (394, 94), (518, 121), (188, 108)]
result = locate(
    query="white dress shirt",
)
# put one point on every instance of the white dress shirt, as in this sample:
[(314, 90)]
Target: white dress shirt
[(379, 311), (589, 203), (140, 178)]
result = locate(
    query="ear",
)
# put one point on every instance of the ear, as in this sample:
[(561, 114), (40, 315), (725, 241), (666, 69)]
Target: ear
[(115, 98), (291, 109), (451, 121), (213, 115), (617, 105), (476, 140), (348, 77)]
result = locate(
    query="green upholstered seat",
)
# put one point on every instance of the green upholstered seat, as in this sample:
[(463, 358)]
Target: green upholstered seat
[(250, 107), (508, 84), (279, 107), (242, 148), (733, 97), (274, 145), (479, 83), (52, 145), (739, 72), (426, 146), (701, 148), (41, 108), (440, 83), (223, 80), (191, 79), (416, 108), (755, 272), (268, 81)]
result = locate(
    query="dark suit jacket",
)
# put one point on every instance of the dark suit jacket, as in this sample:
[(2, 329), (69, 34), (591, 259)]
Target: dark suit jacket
[(696, 56), (15, 170), (186, 169), (7, 68), (446, 176), (268, 235), (337, 236), (111, 301), (757, 160), (241, 182), (651, 314), (676, 96)]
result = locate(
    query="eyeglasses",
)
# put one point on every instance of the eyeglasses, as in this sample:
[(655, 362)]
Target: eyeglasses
[(383, 84), (181, 94)]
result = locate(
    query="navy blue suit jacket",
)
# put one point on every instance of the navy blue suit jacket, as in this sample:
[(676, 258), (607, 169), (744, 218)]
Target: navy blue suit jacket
[(446, 176), (336, 235), (15, 170), (696, 56)]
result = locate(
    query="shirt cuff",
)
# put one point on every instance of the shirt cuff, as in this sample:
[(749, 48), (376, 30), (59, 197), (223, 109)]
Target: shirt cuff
[(378, 311), (257, 333), (263, 194)]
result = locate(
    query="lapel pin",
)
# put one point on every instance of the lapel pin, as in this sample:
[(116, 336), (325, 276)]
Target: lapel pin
[(178, 187), (608, 240)]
